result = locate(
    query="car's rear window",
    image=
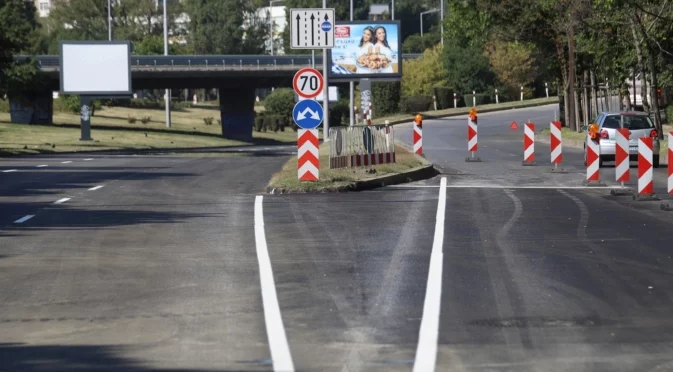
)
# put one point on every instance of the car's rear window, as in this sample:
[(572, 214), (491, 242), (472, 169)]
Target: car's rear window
[(630, 122)]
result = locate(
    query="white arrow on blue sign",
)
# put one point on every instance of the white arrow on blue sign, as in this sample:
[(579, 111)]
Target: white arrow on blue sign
[(307, 114)]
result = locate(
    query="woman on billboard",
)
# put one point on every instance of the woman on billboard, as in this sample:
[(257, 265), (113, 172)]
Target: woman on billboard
[(383, 49), (365, 49)]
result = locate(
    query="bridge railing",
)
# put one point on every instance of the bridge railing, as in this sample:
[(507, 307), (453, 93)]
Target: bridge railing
[(226, 62)]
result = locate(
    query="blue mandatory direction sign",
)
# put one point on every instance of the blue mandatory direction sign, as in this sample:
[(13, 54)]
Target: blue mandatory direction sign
[(307, 114), (326, 26)]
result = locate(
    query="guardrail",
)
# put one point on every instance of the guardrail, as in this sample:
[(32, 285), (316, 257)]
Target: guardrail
[(361, 146), (226, 62)]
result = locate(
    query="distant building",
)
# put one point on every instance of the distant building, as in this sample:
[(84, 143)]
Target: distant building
[(43, 7), (378, 12)]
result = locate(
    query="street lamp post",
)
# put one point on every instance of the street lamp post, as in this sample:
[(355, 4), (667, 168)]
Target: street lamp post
[(392, 12), (271, 22), (109, 21), (426, 12)]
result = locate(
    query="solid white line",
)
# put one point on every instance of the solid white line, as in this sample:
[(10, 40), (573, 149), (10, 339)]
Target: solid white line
[(59, 201), (96, 188), (24, 218), (426, 352), (66, 162), (507, 187), (42, 166), (280, 350), (9, 170), (88, 159)]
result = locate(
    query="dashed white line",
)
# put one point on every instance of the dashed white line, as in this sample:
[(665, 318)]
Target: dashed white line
[(66, 162), (59, 201), (42, 166), (24, 218), (96, 188), (9, 170), (426, 352), (88, 159), (280, 350)]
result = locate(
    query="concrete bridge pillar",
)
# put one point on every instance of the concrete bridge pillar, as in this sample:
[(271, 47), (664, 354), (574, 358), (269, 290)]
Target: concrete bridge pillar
[(237, 111)]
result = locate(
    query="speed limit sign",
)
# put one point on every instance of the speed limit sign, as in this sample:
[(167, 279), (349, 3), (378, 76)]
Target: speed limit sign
[(308, 83)]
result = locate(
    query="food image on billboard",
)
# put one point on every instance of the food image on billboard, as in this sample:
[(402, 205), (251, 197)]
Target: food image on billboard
[(366, 50)]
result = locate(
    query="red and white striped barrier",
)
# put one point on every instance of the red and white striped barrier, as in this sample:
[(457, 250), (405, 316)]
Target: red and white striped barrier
[(645, 184), (670, 163), (472, 141), (308, 163), (418, 140), (622, 173), (593, 164), (364, 160), (556, 143), (529, 144)]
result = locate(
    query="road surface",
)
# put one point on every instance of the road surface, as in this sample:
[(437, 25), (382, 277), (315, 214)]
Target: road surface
[(182, 264)]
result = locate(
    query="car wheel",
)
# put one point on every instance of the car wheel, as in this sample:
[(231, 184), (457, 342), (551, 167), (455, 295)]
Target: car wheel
[(655, 161)]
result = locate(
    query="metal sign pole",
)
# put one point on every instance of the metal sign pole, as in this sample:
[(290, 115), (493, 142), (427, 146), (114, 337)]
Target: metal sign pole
[(351, 87), (325, 101), (168, 91)]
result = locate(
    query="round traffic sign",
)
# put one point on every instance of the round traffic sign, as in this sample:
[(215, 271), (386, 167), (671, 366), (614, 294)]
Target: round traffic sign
[(326, 26), (308, 82)]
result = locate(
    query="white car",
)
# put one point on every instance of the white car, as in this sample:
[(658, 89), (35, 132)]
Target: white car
[(639, 125)]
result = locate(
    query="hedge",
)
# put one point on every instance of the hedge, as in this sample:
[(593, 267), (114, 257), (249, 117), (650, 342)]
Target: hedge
[(386, 98), (415, 104), (280, 102), (4, 105)]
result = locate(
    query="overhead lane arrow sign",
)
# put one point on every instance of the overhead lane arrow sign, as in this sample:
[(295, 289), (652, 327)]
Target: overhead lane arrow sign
[(298, 29), (320, 21), (312, 29)]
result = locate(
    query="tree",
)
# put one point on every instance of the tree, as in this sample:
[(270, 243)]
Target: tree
[(215, 26), (18, 27), (417, 44), (513, 64), (423, 73)]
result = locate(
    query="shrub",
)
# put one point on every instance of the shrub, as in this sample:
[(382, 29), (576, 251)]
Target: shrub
[(669, 115), (480, 98), (445, 98), (259, 122), (131, 119), (67, 103), (337, 112), (416, 104), (145, 119), (271, 122), (208, 120), (280, 102), (4, 105), (385, 98)]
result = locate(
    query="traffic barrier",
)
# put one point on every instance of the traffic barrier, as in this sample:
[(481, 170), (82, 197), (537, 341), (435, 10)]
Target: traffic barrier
[(308, 162), (593, 163), (529, 144), (358, 146), (622, 171), (556, 143), (418, 135), (472, 141), (670, 163), (645, 184)]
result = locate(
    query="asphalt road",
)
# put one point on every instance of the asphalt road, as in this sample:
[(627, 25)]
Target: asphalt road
[(179, 264)]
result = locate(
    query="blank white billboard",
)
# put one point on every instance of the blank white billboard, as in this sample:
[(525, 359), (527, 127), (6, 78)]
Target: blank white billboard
[(95, 68)]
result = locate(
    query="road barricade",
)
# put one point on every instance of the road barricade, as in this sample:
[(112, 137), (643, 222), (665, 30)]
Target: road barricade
[(361, 146), (645, 184)]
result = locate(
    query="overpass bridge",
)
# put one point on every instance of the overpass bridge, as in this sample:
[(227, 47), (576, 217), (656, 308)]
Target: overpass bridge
[(235, 76)]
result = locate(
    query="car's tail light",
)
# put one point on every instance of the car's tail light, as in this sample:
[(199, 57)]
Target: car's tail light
[(604, 134), (654, 134)]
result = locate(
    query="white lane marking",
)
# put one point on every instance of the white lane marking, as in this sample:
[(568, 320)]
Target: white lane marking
[(59, 201), (280, 350), (42, 165), (88, 159), (426, 352), (507, 187), (96, 188), (66, 162), (24, 218), (9, 170)]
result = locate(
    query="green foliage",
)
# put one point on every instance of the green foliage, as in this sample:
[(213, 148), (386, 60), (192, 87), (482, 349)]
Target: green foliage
[(420, 75), (467, 68), (18, 28), (144, 103), (385, 97), (4, 105), (513, 64), (444, 98), (669, 116), (417, 44), (338, 113), (208, 120), (215, 26), (259, 122), (466, 24), (415, 104), (479, 99), (67, 103), (280, 102), (154, 44)]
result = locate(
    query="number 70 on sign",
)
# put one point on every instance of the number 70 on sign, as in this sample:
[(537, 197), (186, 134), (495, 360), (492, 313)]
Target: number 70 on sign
[(308, 83)]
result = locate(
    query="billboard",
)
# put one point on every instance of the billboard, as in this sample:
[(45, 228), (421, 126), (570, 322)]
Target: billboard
[(366, 49), (96, 68)]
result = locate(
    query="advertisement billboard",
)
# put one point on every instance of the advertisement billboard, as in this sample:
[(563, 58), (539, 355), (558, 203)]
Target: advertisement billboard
[(97, 68), (366, 49)]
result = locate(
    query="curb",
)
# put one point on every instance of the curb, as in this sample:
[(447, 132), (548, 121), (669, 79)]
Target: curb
[(429, 116), (415, 174), (282, 149)]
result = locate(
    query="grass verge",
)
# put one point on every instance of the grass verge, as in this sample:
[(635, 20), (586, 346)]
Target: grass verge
[(401, 118), (286, 179)]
